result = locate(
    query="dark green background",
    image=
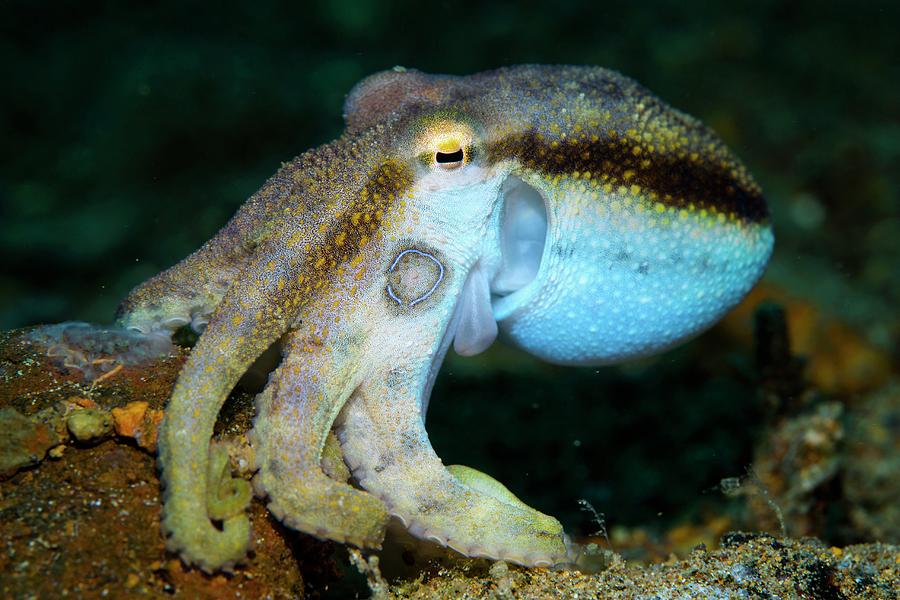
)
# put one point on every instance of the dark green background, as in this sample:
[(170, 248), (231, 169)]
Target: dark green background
[(130, 132)]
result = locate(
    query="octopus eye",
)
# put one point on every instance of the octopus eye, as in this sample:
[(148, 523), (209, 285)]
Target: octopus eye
[(446, 145), (449, 160)]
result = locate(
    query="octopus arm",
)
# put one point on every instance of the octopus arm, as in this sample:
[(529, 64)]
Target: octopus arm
[(382, 433), (250, 318), (188, 292), (294, 417)]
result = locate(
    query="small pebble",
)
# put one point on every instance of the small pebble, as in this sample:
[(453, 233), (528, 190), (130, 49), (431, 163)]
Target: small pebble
[(132, 580), (88, 424)]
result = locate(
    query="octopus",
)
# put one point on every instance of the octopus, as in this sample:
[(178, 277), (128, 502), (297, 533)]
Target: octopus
[(566, 207)]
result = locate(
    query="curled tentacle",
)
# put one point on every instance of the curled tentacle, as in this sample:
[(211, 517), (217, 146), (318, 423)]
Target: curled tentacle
[(228, 496), (195, 492)]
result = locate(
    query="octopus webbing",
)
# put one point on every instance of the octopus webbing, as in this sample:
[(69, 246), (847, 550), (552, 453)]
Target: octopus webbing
[(564, 206)]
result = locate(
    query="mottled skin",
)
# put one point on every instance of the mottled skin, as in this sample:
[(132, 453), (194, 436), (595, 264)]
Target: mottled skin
[(366, 256)]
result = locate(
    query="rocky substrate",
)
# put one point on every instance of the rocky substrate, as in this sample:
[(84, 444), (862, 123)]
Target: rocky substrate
[(79, 511)]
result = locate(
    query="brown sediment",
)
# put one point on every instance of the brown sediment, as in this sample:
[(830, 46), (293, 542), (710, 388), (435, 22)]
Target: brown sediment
[(86, 522), (746, 564), (89, 525)]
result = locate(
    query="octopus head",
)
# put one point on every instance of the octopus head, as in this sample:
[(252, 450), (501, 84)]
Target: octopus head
[(593, 222)]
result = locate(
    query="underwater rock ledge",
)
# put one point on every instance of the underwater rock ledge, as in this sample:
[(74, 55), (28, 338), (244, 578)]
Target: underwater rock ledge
[(79, 512)]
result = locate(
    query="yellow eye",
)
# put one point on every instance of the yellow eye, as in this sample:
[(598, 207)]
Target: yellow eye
[(445, 144), (449, 151), (450, 160)]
